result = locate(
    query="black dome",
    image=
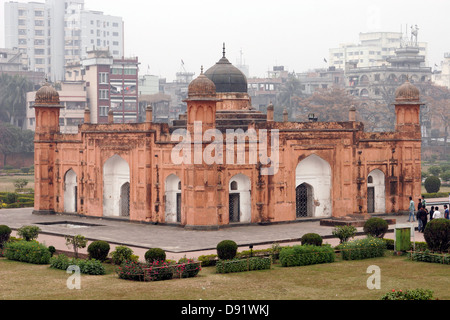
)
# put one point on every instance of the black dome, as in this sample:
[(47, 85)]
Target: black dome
[(227, 77)]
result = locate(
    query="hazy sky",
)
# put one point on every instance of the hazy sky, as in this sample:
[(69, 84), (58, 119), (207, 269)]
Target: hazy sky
[(296, 34)]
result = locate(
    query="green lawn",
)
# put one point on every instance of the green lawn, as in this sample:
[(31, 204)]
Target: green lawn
[(7, 182), (341, 280)]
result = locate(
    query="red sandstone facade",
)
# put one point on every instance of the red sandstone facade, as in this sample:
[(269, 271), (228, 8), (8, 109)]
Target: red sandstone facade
[(323, 170)]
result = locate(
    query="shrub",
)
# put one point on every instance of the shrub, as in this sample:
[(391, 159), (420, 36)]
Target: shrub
[(416, 294), (227, 249), (61, 262), (208, 260), (5, 233), (155, 254), (369, 247), (52, 250), (432, 184), (90, 267), (306, 255), (427, 256), (29, 233), (27, 251), (376, 227), (187, 268), (344, 233), (121, 254), (98, 250), (437, 235), (312, 239), (11, 198), (149, 271), (242, 265)]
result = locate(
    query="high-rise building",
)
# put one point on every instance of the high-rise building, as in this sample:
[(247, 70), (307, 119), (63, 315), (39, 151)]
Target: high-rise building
[(51, 34), (111, 85), (373, 49)]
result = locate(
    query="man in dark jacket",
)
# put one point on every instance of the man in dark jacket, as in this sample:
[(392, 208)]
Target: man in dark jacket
[(423, 217)]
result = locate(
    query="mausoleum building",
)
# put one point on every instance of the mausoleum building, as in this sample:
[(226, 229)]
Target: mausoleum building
[(224, 163)]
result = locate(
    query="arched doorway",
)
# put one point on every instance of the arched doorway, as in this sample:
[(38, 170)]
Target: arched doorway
[(239, 205), (376, 192), (116, 173), (70, 192), (305, 201), (314, 175), (125, 200), (173, 199)]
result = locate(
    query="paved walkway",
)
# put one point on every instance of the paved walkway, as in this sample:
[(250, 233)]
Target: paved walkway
[(176, 241)]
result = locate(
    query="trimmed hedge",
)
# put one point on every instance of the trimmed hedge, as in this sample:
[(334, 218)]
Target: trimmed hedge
[(242, 265), (306, 255), (157, 271), (98, 250), (27, 251), (227, 249), (416, 294), (376, 227), (311, 239), (91, 266), (437, 235), (155, 254), (360, 249), (427, 256)]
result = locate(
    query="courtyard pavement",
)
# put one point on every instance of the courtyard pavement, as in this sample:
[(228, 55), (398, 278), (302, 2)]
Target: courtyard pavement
[(176, 241)]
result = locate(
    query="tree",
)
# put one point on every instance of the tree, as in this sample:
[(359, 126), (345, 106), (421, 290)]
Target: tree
[(330, 104), (77, 242), (13, 98), (14, 140)]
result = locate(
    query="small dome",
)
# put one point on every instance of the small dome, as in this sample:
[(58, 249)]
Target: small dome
[(407, 92), (227, 77), (201, 87), (47, 95)]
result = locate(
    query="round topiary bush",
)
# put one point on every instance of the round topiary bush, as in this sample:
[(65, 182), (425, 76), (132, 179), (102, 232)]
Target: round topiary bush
[(376, 227), (227, 249), (98, 250), (437, 235), (312, 239), (433, 184), (5, 233), (155, 254)]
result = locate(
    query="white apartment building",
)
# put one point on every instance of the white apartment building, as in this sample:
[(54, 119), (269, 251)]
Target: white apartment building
[(52, 33), (373, 49), (442, 77)]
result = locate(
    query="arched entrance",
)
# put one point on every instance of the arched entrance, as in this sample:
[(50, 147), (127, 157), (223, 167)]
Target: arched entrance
[(70, 192), (125, 200), (313, 176), (116, 173), (173, 199), (376, 192), (239, 205), (305, 201)]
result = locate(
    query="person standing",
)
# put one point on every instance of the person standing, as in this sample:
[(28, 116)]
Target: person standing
[(431, 213), (437, 214), (422, 217), (412, 209), (446, 212), (424, 203), (419, 220)]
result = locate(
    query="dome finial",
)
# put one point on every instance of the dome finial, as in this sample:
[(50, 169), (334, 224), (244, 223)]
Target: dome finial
[(201, 69), (224, 49)]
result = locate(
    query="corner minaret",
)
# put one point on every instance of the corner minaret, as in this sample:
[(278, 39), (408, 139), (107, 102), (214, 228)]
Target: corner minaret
[(47, 108), (407, 108)]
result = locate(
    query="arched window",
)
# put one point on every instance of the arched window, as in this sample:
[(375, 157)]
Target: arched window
[(234, 186)]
